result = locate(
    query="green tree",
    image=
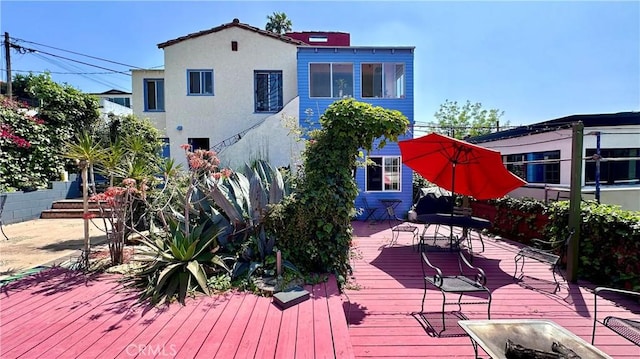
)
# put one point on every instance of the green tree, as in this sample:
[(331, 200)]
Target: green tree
[(134, 148), (460, 121), (278, 23)]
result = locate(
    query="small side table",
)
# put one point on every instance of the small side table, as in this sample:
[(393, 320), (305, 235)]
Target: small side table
[(386, 203)]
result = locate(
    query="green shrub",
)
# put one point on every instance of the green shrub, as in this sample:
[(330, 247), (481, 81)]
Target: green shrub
[(27, 159), (609, 251)]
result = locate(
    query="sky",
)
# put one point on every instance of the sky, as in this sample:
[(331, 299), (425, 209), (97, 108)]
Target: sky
[(535, 61)]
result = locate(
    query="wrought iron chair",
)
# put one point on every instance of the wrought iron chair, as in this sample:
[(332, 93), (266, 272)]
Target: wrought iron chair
[(470, 280), (369, 211), (3, 199), (398, 225), (549, 252), (628, 328)]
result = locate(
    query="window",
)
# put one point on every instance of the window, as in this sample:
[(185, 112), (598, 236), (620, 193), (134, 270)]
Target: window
[(200, 82), (198, 143), (617, 170), (384, 174), (166, 148), (331, 80), (122, 101), (383, 80), (268, 91), (535, 167), (515, 164), (154, 95)]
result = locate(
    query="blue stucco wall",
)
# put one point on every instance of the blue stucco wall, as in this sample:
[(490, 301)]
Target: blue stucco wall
[(24, 206), (317, 106)]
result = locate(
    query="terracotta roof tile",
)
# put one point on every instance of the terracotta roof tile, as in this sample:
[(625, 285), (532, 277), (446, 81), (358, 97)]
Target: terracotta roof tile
[(234, 23)]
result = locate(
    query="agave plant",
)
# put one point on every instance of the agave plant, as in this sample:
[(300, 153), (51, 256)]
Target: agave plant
[(177, 264), (240, 204)]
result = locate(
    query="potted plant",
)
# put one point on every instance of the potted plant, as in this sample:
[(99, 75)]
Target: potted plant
[(341, 84)]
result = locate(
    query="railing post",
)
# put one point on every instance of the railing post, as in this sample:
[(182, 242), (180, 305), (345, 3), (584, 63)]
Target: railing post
[(575, 214)]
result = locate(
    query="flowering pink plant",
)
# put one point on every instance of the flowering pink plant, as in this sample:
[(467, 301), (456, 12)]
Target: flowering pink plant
[(119, 202), (7, 132)]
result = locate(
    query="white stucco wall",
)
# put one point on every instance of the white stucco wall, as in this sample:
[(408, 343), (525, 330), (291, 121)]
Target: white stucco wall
[(547, 141), (231, 109), (271, 141), (107, 107), (137, 99)]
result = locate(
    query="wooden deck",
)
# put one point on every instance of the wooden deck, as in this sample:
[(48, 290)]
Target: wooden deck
[(388, 288), (63, 314)]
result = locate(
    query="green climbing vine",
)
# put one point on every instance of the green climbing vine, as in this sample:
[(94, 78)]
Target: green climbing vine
[(314, 223)]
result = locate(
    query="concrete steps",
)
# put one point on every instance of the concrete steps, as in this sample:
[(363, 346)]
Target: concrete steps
[(69, 208)]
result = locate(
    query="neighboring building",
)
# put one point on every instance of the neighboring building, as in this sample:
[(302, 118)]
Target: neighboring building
[(541, 154), (319, 38), (234, 88), (382, 76), (114, 101)]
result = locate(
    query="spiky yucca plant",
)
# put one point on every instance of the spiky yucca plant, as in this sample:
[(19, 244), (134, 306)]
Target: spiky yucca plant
[(177, 264)]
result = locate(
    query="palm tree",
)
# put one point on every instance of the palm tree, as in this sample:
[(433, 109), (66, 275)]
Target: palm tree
[(278, 23)]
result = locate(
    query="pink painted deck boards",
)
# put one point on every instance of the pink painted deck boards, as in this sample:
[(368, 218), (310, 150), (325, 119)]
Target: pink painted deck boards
[(390, 286), (65, 314)]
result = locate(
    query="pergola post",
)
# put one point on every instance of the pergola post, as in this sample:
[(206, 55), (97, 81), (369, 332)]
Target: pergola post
[(575, 197)]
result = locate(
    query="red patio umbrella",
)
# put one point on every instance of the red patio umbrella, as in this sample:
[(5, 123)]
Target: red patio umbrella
[(459, 166)]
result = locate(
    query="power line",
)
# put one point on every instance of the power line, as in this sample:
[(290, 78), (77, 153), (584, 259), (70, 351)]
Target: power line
[(531, 143), (77, 53), (65, 73), (19, 48), (73, 67)]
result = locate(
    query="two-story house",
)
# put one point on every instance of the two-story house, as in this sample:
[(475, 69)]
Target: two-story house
[(382, 76), (218, 84), (236, 89)]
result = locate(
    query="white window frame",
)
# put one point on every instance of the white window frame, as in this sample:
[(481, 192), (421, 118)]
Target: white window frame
[(334, 91), (390, 88), (383, 175)]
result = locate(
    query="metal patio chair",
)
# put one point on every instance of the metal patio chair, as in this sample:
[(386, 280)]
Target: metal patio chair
[(369, 211), (398, 225), (470, 280)]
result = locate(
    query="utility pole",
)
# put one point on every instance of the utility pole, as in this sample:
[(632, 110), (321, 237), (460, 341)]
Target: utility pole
[(575, 213), (7, 56)]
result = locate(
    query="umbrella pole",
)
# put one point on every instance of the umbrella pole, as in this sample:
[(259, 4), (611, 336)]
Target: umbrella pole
[(453, 198)]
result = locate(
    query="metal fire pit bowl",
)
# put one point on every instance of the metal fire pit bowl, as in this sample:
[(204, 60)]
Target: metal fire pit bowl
[(492, 336)]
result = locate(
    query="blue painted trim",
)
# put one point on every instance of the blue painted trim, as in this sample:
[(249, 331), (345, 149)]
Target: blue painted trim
[(158, 96), (201, 71)]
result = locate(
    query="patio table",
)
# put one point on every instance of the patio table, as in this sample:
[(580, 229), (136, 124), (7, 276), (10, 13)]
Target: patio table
[(492, 336), (454, 220)]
